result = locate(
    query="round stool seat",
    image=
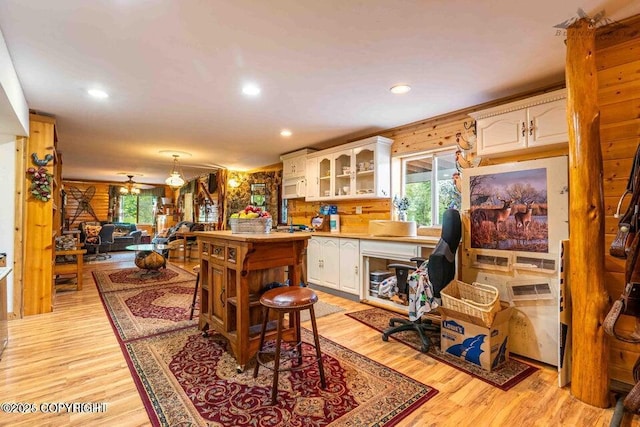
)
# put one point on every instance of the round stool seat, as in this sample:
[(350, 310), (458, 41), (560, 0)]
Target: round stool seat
[(289, 297)]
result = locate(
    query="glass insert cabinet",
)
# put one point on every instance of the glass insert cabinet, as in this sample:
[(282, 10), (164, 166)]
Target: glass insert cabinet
[(360, 169)]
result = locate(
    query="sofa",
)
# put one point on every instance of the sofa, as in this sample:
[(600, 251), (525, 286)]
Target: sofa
[(124, 234)]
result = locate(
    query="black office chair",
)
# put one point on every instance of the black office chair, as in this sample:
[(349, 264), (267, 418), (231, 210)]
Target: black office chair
[(440, 270), (104, 240)]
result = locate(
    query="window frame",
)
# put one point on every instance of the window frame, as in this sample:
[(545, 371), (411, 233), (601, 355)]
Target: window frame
[(137, 196), (398, 176)]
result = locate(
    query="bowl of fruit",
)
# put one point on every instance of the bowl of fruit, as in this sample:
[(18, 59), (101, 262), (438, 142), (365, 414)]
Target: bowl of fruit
[(251, 219)]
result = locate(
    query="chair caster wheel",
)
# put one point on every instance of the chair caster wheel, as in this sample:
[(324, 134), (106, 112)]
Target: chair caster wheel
[(392, 323), (424, 349), (385, 338)]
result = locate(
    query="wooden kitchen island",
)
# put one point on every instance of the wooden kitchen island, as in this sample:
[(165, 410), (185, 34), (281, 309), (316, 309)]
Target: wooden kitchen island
[(234, 269)]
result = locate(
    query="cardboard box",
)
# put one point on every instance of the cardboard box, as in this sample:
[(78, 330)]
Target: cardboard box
[(468, 338)]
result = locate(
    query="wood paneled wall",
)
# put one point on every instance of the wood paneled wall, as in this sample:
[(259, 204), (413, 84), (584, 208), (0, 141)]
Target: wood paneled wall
[(618, 65), (99, 202)]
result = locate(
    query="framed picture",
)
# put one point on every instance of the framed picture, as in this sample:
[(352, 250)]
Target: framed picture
[(521, 206)]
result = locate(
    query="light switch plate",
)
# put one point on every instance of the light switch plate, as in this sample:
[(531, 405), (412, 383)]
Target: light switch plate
[(358, 210)]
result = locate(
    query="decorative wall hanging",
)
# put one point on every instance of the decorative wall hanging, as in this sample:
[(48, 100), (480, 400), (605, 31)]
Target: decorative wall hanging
[(39, 162), (84, 202), (41, 181)]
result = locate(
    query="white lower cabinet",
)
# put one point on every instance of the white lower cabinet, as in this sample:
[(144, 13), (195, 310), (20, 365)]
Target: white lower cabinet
[(333, 262)]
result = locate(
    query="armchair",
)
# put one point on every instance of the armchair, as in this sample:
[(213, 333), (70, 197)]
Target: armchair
[(424, 284)]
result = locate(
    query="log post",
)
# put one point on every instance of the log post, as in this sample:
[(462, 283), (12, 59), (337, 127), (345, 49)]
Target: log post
[(589, 369)]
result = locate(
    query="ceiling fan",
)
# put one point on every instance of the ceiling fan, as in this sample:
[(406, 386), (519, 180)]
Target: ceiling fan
[(129, 187)]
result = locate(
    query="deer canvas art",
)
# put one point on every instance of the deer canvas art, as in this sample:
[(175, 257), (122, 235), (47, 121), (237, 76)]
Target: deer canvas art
[(508, 211)]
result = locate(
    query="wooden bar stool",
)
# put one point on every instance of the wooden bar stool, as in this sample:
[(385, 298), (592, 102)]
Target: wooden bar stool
[(292, 300)]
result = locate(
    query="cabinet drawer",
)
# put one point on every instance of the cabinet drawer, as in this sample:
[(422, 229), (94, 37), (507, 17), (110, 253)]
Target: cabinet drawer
[(385, 248)]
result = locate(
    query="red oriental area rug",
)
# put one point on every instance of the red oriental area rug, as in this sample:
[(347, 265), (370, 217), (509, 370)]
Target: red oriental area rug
[(505, 377), (134, 278), (149, 310), (187, 379)]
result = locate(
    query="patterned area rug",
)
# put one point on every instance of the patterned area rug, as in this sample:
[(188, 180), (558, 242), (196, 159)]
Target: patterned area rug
[(150, 310), (187, 379), (134, 278), (505, 377)]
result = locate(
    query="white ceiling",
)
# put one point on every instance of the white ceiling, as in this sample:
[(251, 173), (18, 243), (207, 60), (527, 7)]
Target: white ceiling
[(174, 71)]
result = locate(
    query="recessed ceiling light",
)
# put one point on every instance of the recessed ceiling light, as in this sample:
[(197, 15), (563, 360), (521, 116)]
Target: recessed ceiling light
[(251, 90), (400, 89), (285, 132), (97, 93)]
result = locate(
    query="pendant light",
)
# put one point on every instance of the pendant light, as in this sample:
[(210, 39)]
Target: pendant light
[(175, 179)]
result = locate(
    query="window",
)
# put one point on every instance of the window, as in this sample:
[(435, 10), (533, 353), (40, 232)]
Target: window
[(427, 181), (136, 209)]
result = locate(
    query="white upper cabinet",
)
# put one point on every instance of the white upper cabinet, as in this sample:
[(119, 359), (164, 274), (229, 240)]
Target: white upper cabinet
[(530, 124), (360, 169), (294, 164)]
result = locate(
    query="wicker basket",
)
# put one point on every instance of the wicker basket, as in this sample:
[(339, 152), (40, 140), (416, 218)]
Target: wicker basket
[(250, 225), (477, 300)]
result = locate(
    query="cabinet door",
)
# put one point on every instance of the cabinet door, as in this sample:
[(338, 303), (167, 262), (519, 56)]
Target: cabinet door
[(330, 263), (314, 253), (313, 183), (299, 165), (325, 177), (294, 167), (350, 266), (502, 133), (288, 168), (548, 124), (343, 168), (219, 292)]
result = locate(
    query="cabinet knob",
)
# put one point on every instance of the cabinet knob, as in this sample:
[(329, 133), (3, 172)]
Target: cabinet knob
[(356, 270)]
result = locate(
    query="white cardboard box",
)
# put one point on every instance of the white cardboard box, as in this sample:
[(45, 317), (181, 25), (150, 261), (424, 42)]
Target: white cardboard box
[(470, 339)]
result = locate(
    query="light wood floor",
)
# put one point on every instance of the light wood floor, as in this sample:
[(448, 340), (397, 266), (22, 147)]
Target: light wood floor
[(72, 355)]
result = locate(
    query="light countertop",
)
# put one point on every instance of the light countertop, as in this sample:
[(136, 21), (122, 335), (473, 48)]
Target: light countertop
[(274, 235), (365, 236)]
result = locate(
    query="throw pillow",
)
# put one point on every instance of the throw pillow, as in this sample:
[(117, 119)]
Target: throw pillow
[(92, 233), (65, 242)]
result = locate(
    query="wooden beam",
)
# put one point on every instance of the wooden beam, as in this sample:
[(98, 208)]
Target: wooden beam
[(589, 371)]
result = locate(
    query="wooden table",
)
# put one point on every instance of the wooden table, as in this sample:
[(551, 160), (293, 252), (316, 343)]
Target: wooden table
[(71, 267), (234, 268), (149, 257)]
